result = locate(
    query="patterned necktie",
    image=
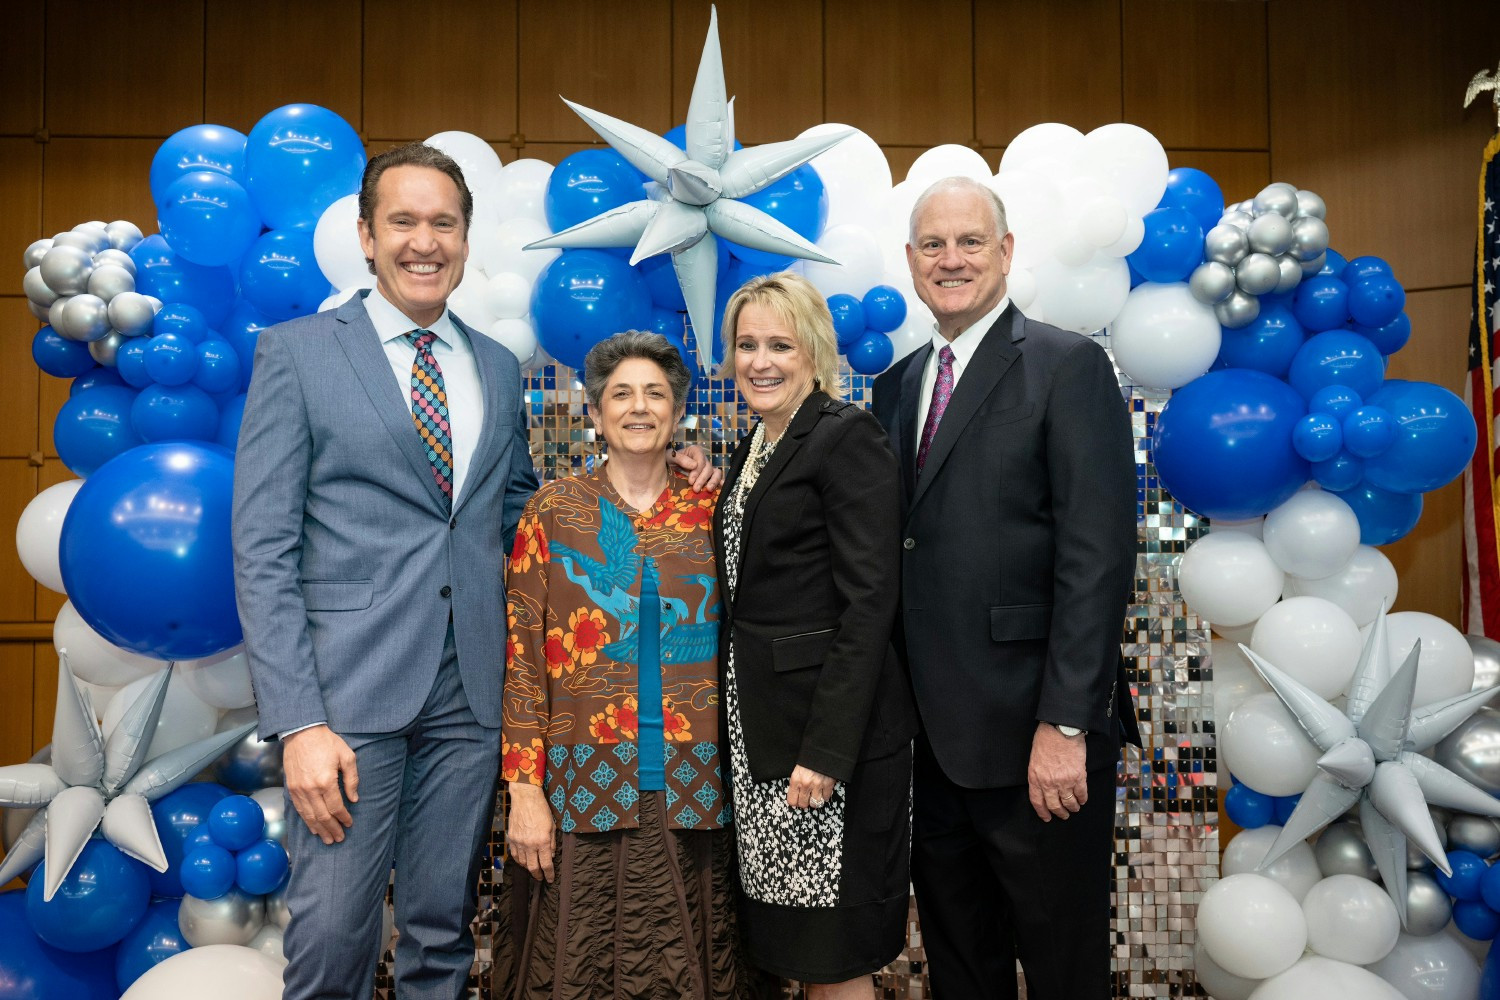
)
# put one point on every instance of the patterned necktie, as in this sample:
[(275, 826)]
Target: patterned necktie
[(942, 391), (429, 410)]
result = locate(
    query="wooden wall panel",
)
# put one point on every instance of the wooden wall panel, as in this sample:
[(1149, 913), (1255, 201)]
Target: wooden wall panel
[(20, 205), (16, 666), (614, 58), (774, 98), (51, 394), (43, 693), (902, 72), (22, 45), (1034, 62), (90, 49), (1195, 72), (17, 487), (1240, 175), (18, 401), (1386, 142), (103, 179), (261, 56), (477, 37)]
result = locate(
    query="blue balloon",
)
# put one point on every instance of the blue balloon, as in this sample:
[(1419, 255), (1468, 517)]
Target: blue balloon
[(1333, 264), (1375, 300), (155, 939), (1339, 400), (195, 148), (661, 282), (163, 272), (94, 378), (174, 413), (885, 308), (1365, 267), (1391, 337), (1475, 919), (1172, 246), (1317, 438), (280, 276), (93, 427), (1285, 805), (1337, 357), (1434, 440), (261, 867), (1489, 979), (1368, 431), (584, 296), (101, 899), (299, 159), (207, 871), (848, 319), (181, 319), (218, 367), (236, 822), (1192, 189), (1136, 278), (1247, 807), (58, 356), (130, 362), (242, 330), (587, 183), (171, 359), (1321, 303), (1468, 872), (159, 513), (872, 354), (1383, 516), (31, 969), (1341, 472), (667, 322), (689, 358), (1223, 444), (207, 217), (1267, 344), (179, 815), (797, 200)]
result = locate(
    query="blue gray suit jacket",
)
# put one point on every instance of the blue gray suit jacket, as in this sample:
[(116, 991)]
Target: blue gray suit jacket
[(347, 565)]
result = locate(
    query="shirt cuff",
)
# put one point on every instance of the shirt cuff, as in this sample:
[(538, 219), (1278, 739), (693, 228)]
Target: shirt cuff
[(282, 736)]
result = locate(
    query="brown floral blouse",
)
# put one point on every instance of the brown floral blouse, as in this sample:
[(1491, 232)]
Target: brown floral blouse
[(571, 670)]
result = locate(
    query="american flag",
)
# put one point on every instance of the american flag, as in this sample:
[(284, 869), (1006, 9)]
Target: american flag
[(1481, 589)]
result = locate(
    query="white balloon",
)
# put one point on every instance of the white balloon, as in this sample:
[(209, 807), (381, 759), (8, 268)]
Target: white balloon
[(948, 160), (893, 232), (1229, 578), (1350, 919), (222, 681), (855, 173), (860, 264), (508, 296), (1162, 336), (517, 336), (1084, 298), (267, 941), (1446, 665), (470, 301), (336, 246), (1319, 978), (1020, 285), (100, 696), (1251, 926), (475, 157), (499, 250), (521, 191), (184, 716), (1220, 985), (94, 658), (1250, 526), (1044, 146), (1296, 871), (337, 299), (1313, 640), (1363, 586), (1430, 968), (1234, 678), (1262, 745), (221, 971), (1131, 163), (1129, 241), (1033, 211), (39, 532), (1313, 534), (1103, 221)]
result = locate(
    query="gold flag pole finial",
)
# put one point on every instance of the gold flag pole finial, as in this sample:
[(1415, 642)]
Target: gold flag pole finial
[(1485, 80)]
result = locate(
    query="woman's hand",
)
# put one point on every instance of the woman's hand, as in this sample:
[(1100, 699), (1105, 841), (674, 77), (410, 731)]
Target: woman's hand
[(529, 830), (694, 463), (808, 789)]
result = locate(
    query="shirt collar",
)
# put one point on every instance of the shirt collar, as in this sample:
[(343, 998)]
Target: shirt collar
[(391, 323), (966, 343)]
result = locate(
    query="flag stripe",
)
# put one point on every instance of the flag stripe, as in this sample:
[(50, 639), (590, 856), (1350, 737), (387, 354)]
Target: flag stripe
[(1481, 583)]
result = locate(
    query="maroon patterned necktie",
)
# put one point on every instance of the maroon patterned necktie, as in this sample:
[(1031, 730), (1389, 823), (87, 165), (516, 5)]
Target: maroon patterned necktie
[(942, 391)]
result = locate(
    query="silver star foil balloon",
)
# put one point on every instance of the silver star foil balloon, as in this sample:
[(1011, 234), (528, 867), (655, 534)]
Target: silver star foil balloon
[(1372, 758), (697, 193), (97, 783)]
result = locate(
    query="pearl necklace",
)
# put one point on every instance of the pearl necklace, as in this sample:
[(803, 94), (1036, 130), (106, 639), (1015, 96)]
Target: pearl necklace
[(760, 453)]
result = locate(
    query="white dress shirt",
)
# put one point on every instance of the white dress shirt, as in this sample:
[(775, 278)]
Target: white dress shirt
[(964, 346)]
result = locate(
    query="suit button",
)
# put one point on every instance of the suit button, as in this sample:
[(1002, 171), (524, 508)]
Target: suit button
[(453, 524), (909, 544), (446, 592)]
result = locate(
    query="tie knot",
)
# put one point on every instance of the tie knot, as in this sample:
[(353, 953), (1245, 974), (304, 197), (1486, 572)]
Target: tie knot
[(945, 356), (421, 339)]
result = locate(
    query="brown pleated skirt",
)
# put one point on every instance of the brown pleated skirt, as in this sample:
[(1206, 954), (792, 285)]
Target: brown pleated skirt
[(648, 912)]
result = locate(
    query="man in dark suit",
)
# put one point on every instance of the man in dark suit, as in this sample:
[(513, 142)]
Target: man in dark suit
[(1018, 546)]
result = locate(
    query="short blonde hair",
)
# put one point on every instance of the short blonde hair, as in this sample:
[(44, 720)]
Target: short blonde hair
[(798, 304)]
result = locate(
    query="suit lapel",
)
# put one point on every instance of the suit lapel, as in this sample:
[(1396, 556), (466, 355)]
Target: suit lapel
[(908, 435), (483, 459), (996, 353), (362, 346)]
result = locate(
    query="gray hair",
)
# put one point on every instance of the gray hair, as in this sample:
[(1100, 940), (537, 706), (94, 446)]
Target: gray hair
[(607, 355), (957, 184)]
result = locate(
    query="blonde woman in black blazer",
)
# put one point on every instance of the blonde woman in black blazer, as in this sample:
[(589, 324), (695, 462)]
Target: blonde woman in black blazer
[(818, 708)]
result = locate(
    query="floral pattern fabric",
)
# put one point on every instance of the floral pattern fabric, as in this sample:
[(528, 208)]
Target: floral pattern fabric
[(572, 680)]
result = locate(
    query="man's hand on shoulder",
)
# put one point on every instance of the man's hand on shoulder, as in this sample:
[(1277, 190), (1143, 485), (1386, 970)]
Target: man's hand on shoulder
[(313, 759), (694, 463), (1057, 777)]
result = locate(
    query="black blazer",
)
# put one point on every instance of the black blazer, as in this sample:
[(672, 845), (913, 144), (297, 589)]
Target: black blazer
[(819, 680), (1018, 549)]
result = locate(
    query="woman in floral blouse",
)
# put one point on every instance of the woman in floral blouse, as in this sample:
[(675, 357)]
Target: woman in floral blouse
[(611, 728)]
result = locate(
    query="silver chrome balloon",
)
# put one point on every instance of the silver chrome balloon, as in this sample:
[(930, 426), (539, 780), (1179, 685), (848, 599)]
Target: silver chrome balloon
[(1474, 833), (276, 911), (250, 764), (1341, 850), (113, 256), (1309, 237), (1257, 274), (1312, 267), (1225, 244), (35, 252), (272, 801), (1291, 273), (42, 313), (86, 318), (1271, 234), (1239, 310), (1310, 205), (131, 313), (66, 269), (1211, 282), (37, 290), (1428, 908), (1472, 751), (1280, 198), (233, 918), (89, 243), (123, 234), (106, 348), (1239, 220), (1486, 661), (109, 280), (55, 316)]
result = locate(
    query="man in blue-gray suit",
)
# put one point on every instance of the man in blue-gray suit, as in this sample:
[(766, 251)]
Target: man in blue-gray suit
[(382, 468)]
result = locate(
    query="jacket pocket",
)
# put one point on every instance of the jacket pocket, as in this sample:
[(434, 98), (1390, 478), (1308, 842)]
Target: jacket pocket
[(1006, 416), (1020, 621), (806, 649), (338, 595)]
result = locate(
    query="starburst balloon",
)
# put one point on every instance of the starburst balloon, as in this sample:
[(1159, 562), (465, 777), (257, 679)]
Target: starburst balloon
[(697, 192), (1372, 757), (95, 782)]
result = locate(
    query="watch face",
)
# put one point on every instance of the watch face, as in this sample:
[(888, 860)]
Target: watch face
[(1069, 731)]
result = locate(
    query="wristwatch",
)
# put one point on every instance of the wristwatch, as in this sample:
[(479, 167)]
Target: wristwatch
[(1068, 731)]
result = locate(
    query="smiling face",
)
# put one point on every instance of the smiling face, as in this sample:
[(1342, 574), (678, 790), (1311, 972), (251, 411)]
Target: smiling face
[(635, 413), (773, 371), (958, 258), (417, 240)]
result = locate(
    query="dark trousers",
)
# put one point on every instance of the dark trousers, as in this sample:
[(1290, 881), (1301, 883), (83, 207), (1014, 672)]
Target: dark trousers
[(994, 883)]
